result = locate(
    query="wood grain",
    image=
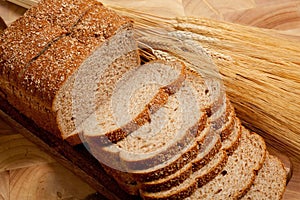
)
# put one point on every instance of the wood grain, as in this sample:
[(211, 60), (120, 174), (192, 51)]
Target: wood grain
[(17, 152), (46, 181), (283, 16), (4, 187)]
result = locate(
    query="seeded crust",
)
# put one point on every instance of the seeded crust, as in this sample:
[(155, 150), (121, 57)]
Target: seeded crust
[(61, 55), (65, 56), (23, 41), (270, 181), (26, 38)]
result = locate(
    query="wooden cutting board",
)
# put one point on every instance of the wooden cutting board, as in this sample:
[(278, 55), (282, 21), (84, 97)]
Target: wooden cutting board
[(26, 172)]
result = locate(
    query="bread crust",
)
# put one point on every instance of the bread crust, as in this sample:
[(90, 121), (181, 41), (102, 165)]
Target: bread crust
[(30, 35)]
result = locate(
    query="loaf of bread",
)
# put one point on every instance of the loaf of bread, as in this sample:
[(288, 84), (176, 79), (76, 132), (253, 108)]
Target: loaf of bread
[(55, 58)]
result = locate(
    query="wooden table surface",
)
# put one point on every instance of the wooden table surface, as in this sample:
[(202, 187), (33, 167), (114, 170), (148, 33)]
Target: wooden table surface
[(26, 172)]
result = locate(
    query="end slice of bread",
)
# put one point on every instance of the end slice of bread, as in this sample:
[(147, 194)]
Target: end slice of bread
[(239, 172), (270, 181)]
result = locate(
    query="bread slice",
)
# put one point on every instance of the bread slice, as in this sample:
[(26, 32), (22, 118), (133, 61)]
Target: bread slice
[(131, 181), (53, 85), (187, 187), (239, 172), (270, 181), (209, 148), (139, 94)]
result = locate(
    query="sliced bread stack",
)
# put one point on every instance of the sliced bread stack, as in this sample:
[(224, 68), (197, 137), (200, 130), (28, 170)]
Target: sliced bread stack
[(170, 157), (186, 149)]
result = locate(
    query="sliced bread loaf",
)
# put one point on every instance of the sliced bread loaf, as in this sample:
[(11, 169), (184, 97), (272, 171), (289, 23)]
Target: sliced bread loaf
[(270, 181), (30, 35), (52, 87)]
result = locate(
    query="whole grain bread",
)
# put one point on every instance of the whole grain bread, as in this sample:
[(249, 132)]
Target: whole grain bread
[(26, 38), (210, 147), (177, 129), (132, 181), (45, 79), (239, 173), (270, 181)]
